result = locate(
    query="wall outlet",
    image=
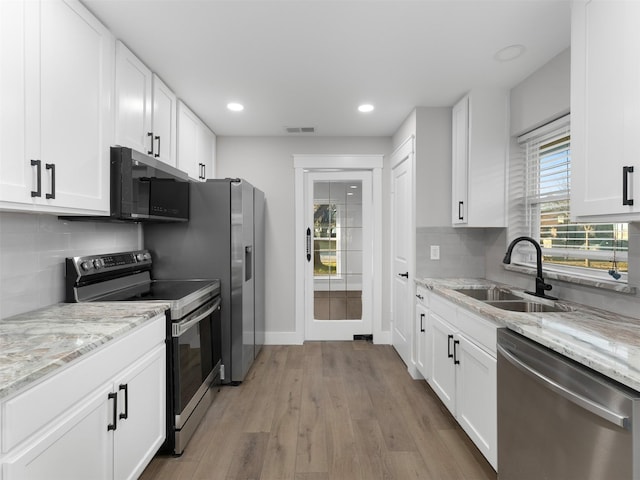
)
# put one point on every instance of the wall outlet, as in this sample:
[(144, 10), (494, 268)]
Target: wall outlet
[(435, 252)]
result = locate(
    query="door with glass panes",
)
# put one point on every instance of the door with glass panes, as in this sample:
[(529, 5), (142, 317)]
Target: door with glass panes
[(338, 283)]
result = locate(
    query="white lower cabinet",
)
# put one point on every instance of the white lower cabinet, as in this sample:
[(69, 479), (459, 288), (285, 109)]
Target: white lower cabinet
[(423, 357), (84, 431), (443, 375), (476, 390), (463, 371)]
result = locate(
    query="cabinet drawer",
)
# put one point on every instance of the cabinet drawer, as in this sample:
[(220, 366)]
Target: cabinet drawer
[(29, 411), (482, 332), (422, 296), (443, 308)]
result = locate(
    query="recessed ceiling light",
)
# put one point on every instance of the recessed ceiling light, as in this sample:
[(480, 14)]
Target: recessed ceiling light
[(235, 107), (509, 53), (365, 108)]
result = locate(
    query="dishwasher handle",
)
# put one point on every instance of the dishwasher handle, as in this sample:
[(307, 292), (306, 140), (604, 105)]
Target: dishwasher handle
[(593, 407)]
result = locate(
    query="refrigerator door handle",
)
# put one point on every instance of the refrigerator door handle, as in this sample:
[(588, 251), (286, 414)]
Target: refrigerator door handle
[(248, 254)]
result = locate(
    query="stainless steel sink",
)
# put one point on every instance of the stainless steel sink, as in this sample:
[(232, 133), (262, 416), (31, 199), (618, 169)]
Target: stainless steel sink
[(489, 294), (528, 307)]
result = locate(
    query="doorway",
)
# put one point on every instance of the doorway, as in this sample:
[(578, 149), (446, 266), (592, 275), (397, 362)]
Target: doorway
[(336, 280)]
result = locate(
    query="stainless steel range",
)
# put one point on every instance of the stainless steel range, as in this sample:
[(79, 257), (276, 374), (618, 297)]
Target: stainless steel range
[(193, 328)]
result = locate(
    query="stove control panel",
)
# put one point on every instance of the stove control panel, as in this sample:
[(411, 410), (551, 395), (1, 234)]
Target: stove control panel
[(114, 263)]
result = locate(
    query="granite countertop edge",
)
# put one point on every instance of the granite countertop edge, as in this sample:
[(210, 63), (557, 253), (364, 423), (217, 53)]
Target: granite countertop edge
[(36, 344), (584, 334)]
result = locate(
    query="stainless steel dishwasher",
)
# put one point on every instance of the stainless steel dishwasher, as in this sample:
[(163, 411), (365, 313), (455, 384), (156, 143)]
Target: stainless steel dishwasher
[(558, 420)]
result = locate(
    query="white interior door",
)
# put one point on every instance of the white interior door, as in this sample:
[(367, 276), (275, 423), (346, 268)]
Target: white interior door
[(402, 245), (338, 271)]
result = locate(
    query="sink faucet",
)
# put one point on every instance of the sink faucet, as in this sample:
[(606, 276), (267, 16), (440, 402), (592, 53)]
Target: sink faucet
[(541, 286)]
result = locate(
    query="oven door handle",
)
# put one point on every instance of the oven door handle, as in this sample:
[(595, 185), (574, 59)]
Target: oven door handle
[(593, 407), (179, 328)]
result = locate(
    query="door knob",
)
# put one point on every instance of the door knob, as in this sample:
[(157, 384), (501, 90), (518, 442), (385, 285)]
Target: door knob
[(405, 274)]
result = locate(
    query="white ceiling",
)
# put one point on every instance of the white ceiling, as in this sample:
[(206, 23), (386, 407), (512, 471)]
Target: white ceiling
[(310, 63)]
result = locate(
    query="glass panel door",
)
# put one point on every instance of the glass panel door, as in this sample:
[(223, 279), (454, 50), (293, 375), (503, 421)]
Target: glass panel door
[(338, 278)]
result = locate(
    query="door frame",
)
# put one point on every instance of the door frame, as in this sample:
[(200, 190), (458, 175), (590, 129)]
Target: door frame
[(318, 162), (405, 153)]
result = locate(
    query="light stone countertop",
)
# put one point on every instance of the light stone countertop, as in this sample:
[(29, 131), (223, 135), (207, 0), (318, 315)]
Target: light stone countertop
[(604, 341), (35, 344)]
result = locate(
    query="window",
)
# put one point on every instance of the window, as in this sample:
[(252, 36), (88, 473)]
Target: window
[(539, 192), (326, 238)]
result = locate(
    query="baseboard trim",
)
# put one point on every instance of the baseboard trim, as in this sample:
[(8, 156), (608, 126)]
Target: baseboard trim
[(382, 338), (293, 338), (282, 338)]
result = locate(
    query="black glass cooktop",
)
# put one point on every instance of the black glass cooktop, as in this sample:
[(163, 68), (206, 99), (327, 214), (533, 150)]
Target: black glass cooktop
[(159, 290)]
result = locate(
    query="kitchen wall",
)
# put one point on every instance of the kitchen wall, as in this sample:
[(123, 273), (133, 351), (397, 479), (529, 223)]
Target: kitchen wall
[(462, 250), (32, 252), (267, 163), (544, 96)]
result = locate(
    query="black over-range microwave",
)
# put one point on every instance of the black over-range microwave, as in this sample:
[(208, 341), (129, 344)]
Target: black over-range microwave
[(144, 189)]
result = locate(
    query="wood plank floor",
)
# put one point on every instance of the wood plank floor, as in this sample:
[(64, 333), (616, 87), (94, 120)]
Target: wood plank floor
[(326, 411)]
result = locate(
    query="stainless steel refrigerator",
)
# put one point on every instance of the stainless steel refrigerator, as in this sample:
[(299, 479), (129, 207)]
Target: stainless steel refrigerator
[(223, 239)]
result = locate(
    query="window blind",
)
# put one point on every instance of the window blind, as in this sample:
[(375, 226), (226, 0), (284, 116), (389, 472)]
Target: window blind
[(539, 193)]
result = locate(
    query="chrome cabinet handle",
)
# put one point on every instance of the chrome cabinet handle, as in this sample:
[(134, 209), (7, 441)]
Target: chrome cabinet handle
[(625, 186), (157, 154), (38, 191), (460, 207), (52, 167), (589, 405), (449, 338), (150, 135), (422, 322)]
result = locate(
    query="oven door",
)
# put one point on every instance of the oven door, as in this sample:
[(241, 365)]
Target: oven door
[(195, 359)]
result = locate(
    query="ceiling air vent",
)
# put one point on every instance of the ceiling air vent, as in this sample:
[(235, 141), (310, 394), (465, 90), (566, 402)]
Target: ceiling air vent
[(300, 129)]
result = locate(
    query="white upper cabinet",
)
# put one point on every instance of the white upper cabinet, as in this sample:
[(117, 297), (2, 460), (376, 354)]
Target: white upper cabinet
[(145, 108), (479, 155), (196, 145), (133, 101), (55, 96), (165, 114), (605, 106)]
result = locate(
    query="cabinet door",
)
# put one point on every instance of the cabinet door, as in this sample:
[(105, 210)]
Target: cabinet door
[(164, 122), (133, 101), (55, 96), (605, 100), (460, 162), (443, 372), (79, 447), (206, 151), (15, 169), (142, 414), (422, 343), (75, 92), (188, 126), (476, 390)]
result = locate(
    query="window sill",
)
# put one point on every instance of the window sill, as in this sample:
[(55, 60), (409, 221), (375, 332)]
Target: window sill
[(586, 281)]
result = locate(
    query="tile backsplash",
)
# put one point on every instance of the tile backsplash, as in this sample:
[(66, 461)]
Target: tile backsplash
[(462, 252), (33, 248)]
